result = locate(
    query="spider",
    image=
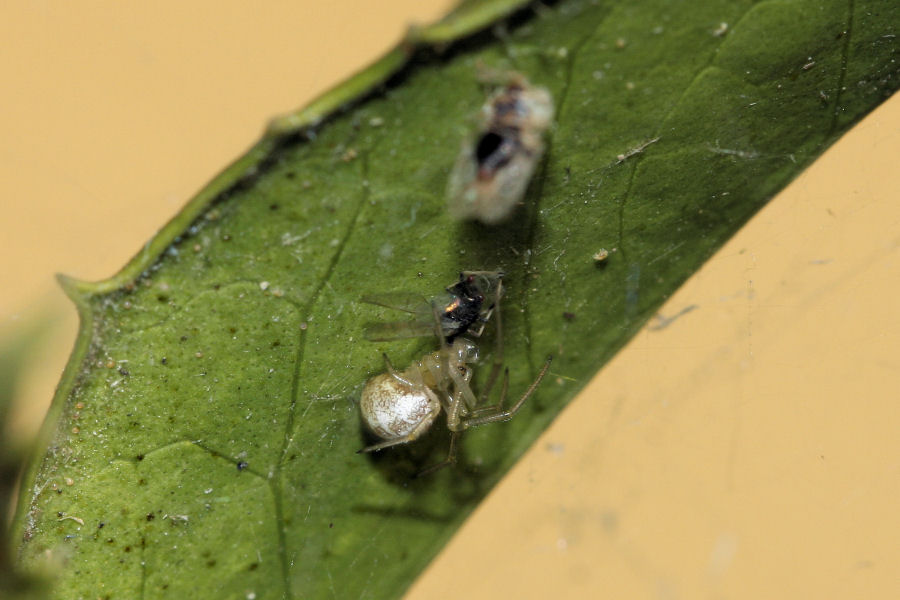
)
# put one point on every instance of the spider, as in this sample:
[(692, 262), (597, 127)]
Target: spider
[(400, 406)]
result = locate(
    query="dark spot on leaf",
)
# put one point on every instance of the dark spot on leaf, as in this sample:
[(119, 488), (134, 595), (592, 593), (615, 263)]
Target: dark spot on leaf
[(569, 316), (127, 548), (211, 563), (253, 567), (150, 516), (140, 457), (162, 298), (331, 526), (110, 541), (101, 525), (183, 338), (273, 207), (142, 481)]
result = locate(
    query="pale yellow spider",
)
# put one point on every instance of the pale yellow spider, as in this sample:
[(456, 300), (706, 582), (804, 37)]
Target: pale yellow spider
[(399, 406)]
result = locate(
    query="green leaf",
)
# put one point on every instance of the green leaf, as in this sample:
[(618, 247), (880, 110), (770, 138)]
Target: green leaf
[(18, 344), (202, 442)]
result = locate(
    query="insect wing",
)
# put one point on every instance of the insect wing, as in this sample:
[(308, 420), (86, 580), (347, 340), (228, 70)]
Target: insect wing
[(398, 330), (408, 302), (421, 325)]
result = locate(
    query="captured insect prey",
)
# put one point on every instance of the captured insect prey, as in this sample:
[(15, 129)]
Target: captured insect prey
[(400, 406), (496, 164), (465, 306)]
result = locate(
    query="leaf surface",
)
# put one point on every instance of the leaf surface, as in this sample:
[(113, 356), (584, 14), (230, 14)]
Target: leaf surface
[(202, 443)]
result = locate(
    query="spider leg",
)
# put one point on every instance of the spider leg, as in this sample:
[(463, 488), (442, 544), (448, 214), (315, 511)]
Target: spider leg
[(464, 390), (505, 415), (504, 388), (398, 375), (450, 460), (458, 402)]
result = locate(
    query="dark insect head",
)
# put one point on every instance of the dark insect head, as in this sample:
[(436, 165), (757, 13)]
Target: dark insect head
[(496, 149)]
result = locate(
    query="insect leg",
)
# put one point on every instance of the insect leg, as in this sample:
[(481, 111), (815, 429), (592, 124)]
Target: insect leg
[(498, 345)]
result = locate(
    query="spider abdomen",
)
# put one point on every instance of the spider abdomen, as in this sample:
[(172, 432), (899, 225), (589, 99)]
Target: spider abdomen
[(392, 408)]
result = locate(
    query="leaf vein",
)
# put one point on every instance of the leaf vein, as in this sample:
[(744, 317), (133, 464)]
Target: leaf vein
[(845, 52), (278, 487), (623, 200)]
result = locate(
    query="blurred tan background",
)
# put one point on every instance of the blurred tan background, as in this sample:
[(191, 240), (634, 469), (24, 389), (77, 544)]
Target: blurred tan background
[(746, 449)]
